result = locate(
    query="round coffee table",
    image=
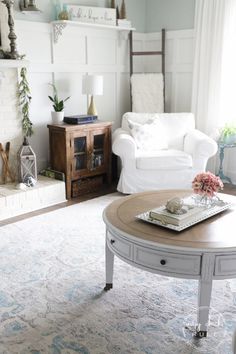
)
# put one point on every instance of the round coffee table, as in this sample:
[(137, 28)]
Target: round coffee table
[(205, 251)]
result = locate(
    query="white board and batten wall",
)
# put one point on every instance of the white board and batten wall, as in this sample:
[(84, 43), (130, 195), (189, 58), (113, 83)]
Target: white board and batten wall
[(80, 50)]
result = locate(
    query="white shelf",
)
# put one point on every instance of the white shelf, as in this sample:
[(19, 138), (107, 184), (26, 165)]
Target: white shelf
[(11, 63), (94, 25), (58, 26)]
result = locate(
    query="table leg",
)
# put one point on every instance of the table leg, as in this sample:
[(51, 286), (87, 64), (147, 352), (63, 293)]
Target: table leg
[(204, 294), (221, 173), (109, 267), (204, 299)]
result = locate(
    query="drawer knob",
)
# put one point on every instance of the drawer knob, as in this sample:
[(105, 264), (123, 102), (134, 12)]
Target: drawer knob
[(163, 262), (112, 241)]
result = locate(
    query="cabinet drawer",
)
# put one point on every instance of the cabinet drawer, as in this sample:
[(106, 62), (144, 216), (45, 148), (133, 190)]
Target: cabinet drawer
[(166, 261), (225, 265), (120, 246)]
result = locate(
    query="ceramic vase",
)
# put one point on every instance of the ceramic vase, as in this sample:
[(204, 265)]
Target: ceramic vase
[(57, 117)]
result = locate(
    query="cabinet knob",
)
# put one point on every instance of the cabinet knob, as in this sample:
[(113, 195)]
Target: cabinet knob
[(163, 262), (112, 241)]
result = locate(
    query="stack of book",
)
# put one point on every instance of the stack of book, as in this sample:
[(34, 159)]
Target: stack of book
[(48, 172), (162, 215), (124, 23), (80, 119)]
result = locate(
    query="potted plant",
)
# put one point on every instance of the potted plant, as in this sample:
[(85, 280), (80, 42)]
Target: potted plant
[(58, 105), (228, 134)]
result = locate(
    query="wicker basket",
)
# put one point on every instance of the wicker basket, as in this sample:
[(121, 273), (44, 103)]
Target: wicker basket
[(86, 185)]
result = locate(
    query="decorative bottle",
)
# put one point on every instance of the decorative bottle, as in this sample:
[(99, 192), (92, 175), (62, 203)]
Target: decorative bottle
[(123, 10)]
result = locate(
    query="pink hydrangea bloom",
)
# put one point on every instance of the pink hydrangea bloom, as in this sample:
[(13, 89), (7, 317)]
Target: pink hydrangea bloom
[(207, 184)]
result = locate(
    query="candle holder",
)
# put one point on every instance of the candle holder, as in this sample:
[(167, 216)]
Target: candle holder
[(13, 54)]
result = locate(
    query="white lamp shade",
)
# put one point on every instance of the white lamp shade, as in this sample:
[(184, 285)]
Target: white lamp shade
[(92, 85)]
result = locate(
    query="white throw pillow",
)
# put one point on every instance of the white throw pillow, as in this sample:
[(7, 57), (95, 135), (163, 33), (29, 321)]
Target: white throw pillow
[(150, 135)]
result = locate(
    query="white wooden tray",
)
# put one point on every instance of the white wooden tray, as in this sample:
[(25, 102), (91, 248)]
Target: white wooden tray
[(203, 215)]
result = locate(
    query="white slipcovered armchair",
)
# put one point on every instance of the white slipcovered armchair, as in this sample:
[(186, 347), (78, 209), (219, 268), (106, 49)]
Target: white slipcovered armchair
[(160, 151)]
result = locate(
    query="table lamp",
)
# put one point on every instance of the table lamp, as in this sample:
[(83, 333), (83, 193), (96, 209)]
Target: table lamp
[(92, 85)]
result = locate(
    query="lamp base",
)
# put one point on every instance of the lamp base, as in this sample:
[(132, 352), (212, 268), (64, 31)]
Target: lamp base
[(92, 109)]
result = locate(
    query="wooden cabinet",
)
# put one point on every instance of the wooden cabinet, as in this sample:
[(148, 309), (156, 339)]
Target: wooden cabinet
[(83, 153)]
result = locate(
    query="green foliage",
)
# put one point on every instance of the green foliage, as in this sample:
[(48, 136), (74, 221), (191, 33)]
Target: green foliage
[(227, 132), (58, 104), (24, 102)]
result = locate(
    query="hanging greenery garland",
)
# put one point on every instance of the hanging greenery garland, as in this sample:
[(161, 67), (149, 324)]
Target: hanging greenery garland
[(24, 101)]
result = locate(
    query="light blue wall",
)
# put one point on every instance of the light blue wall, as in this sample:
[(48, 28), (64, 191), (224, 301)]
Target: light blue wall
[(136, 10), (136, 13), (169, 14), (47, 8), (145, 15)]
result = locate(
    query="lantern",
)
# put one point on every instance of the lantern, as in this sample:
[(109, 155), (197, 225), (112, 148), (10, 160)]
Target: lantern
[(27, 164)]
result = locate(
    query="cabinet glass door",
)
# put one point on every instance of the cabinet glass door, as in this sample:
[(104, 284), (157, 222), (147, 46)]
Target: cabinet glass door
[(98, 150), (80, 155)]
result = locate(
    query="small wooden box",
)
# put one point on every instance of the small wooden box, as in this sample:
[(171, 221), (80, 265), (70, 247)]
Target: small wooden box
[(86, 185)]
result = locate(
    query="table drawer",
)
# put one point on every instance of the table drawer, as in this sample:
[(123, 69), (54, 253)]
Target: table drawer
[(225, 265), (167, 261), (120, 246)]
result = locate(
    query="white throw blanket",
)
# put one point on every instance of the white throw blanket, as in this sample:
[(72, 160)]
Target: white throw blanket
[(147, 93)]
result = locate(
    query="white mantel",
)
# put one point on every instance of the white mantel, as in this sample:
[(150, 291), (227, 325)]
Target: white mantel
[(9, 63)]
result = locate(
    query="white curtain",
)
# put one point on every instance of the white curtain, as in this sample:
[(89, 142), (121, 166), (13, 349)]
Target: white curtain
[(209, 29), (228, 82), (214, 72)]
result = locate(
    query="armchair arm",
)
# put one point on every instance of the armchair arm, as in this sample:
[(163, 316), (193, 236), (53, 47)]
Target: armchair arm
[(201, 147), (124, 146)]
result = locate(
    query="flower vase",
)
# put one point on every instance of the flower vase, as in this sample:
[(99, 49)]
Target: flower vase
[(205, 200)]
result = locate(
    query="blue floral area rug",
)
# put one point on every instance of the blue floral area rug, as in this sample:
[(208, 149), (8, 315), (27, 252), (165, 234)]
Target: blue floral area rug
[(52, 300)]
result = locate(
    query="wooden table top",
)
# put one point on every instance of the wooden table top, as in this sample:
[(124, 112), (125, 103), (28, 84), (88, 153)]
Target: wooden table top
[(217, 233)]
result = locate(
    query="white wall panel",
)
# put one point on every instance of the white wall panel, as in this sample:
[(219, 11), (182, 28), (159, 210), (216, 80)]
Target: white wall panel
[(170, 45), (70, 48), (82, 50), (101, 51), (123, 89), (138, 46), (152, 62), (185, 51), (70, 85), (183, 90), (123, 53), (179, 61), (34, 41), (169, 92), (107, 103), (40, 115)]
